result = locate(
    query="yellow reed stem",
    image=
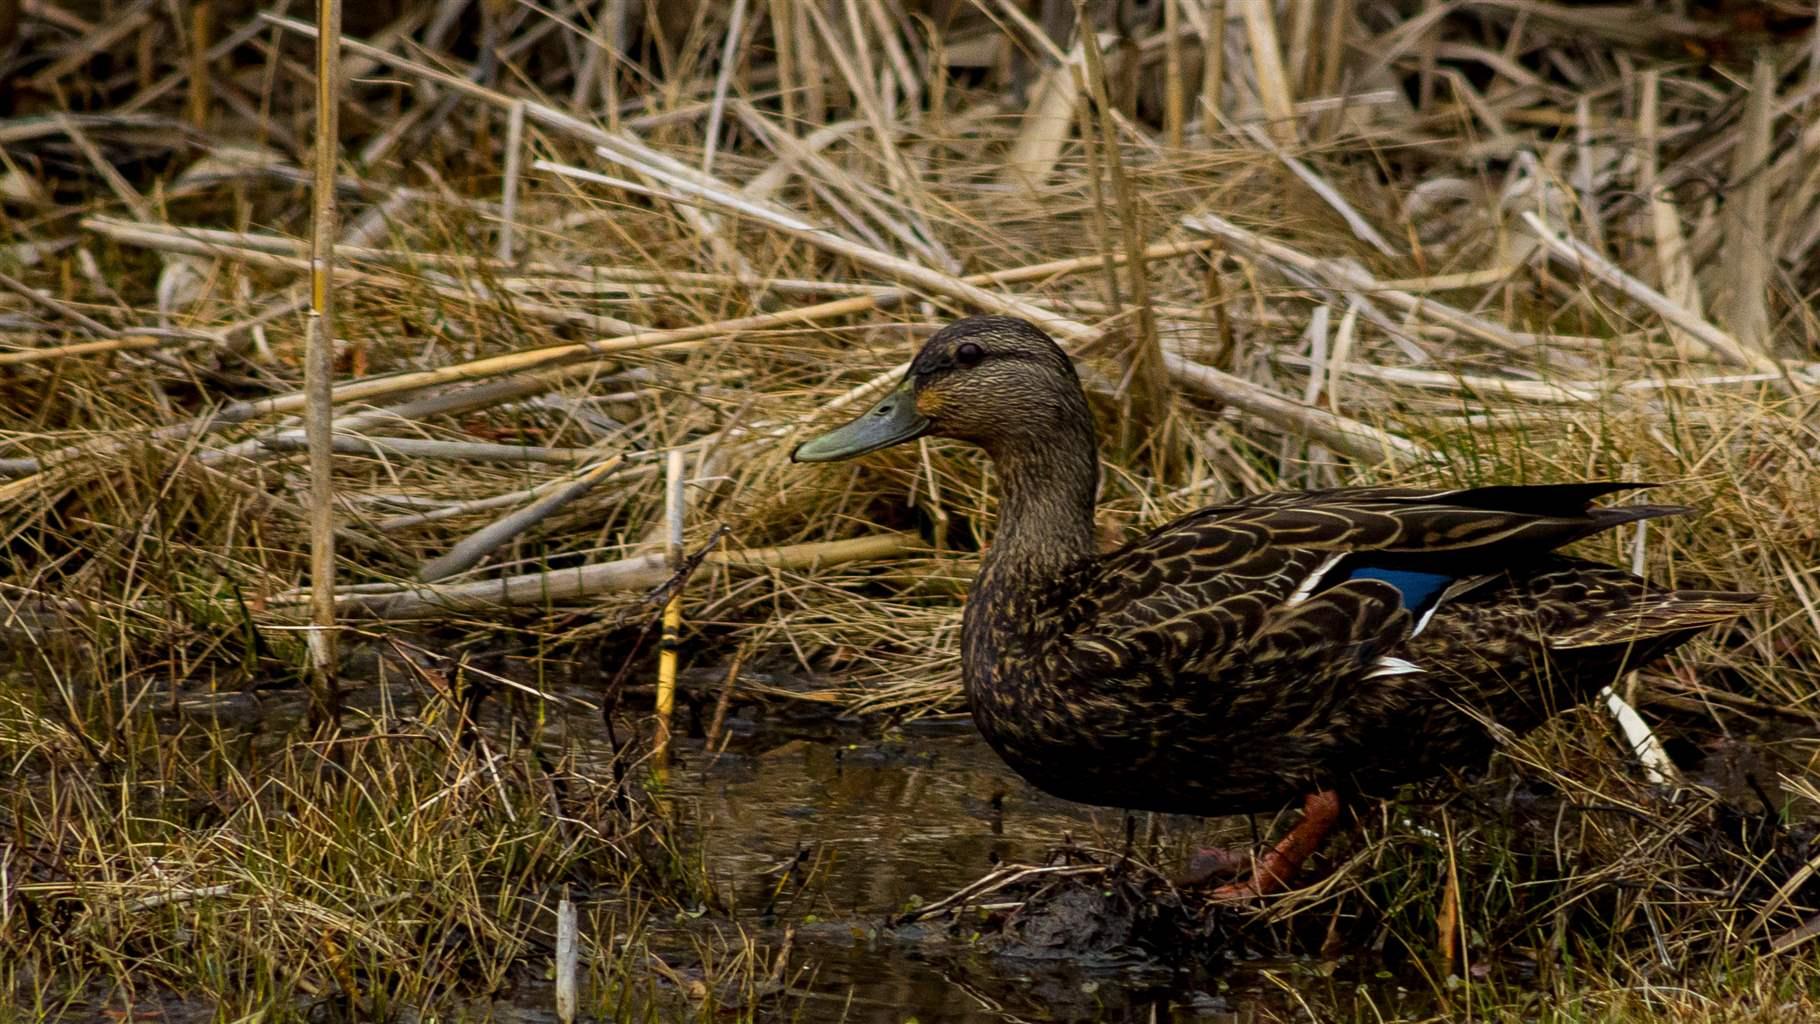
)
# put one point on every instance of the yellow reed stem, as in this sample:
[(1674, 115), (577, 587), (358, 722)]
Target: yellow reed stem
[(319, 371), (672, 622)]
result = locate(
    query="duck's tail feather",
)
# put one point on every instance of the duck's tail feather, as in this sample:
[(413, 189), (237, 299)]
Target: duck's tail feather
[(1567, 501), (1605, 517)]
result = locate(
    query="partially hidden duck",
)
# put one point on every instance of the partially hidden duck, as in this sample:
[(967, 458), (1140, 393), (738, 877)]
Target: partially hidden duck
[(1312, 646)]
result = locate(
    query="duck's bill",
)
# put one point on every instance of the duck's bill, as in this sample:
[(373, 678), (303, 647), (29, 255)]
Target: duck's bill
[(893, 420)]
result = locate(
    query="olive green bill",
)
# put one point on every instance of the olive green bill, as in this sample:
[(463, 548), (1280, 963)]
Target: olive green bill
[(893, 420)]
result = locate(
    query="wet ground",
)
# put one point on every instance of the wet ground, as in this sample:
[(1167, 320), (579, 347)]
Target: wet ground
[(819, 838), (884, 821)]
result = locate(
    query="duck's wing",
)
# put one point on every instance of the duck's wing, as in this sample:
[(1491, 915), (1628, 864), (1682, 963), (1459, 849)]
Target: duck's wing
[(1317, 577), (1289, 643)]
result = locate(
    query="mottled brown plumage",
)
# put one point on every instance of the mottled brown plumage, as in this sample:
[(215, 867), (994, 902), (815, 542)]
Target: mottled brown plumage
[(1280, 645)]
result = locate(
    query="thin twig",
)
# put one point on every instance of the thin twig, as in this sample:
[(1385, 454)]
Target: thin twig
[(319, 372)]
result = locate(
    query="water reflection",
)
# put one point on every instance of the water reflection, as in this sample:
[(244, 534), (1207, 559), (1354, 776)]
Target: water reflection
[(882, 821), (838, 832)]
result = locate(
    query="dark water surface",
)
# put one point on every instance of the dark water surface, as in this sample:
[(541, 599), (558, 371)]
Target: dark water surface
[(837, 833)]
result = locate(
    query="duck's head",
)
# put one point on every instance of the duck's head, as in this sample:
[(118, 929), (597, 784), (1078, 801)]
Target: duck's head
[(996, 381)]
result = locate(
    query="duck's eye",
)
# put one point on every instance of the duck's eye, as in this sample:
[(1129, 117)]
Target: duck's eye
[(968, 353)]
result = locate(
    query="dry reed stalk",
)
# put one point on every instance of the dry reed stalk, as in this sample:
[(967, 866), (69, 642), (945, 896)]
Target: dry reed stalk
[(508, 188), (641, 572), (1213, 65), (837, 188), (57, 306), (124, 22), (1330, 195), (1357, 440), (670, 637), (319, 372), (1674, 265), (1451, 282), (783, 35), (1175, 100), (1447, 916), (1354, 282), (125, 343), (1047, 125), (1572, 253), (508, 499), (475, 547), (201, 23), (809, 60), (167, 241), (568, 958), (729, 59), (788, 223), (116, 183), (1299, 51), (1096, 185), (1340, 360), (1747, 234), (1585, 174), (908, 81), (853, 60), (422, 448), (623, 148), (716, 738), (1267, 65), (1333, 54), (1428, 43), (1477, 386), (1149, 390)]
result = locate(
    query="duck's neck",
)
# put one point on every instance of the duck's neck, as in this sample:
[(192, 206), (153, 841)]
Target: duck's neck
[(1047, 490)]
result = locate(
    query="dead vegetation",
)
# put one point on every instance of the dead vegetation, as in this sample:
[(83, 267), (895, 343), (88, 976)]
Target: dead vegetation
[(1369, 241)]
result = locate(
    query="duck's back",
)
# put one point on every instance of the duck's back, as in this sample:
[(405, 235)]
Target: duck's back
[(1252, 652)]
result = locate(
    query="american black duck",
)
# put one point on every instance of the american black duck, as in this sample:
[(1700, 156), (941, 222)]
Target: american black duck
[(1316, 646)]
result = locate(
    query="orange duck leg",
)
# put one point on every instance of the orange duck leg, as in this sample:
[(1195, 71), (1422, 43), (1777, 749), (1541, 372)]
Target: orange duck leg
[(1273, 871)]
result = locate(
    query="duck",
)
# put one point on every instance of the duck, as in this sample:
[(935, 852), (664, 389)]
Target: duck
[(1324, 647)]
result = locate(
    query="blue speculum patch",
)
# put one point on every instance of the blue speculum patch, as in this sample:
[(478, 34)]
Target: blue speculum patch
[(1419, 589)]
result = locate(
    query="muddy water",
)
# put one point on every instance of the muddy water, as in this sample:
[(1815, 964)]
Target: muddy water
[(884, 822), (836, 833)]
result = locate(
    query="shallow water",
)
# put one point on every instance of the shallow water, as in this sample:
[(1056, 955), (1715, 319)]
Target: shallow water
[(866, 828), (836, 830), (885, 820)]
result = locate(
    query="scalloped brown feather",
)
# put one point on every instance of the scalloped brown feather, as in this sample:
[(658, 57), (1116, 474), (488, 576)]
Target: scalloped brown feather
[(1185, 673)]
